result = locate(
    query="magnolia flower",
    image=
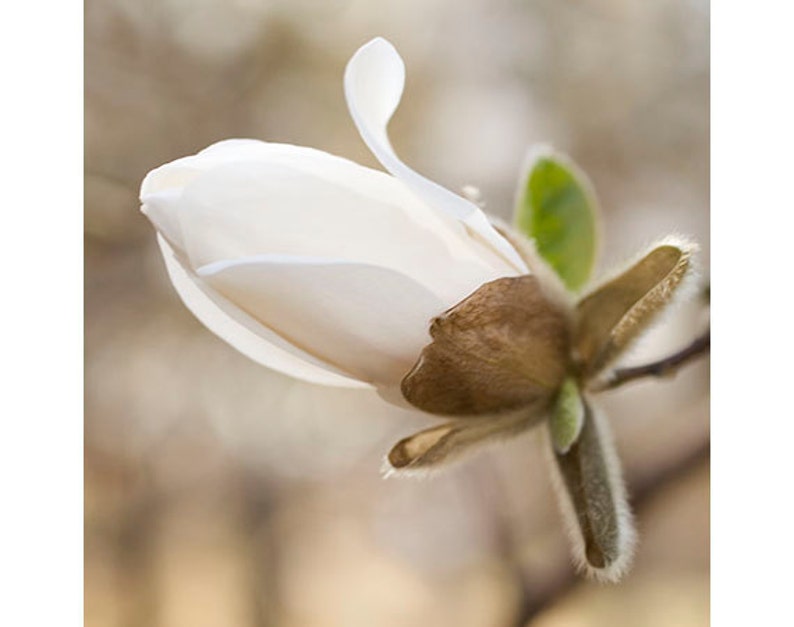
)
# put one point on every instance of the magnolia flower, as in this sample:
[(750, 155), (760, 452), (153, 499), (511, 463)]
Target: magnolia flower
[(341, 275), (316, 266)]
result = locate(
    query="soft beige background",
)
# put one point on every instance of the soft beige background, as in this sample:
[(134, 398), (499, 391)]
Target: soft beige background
[(221, 494)]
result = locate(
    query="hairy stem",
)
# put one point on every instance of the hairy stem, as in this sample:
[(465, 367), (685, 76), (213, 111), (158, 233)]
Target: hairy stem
[(533, 600)]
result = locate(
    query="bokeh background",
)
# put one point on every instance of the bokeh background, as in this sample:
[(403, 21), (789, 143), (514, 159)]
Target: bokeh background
[(218, 493)]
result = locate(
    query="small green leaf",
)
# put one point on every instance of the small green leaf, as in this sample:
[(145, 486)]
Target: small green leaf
[(568, 416), (557, 208)]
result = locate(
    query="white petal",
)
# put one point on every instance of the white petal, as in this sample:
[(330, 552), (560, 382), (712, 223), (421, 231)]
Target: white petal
[(260, 207), (176, 174), (173, 175), (162, 209), (167, 182), (371, 322), (374, 81), (247, 335)]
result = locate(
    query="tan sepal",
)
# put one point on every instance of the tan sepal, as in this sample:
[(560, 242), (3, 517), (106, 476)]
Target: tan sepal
[(432, 447), (617, 312), (502, 348), (593, 500)]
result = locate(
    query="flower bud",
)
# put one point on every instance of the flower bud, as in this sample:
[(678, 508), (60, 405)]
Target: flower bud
[(316, 266)]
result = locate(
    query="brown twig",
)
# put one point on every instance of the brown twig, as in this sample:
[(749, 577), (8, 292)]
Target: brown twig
[(661, 368)]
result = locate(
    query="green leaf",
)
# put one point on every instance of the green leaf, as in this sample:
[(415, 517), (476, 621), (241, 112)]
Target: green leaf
[(556, 207), (568, 416)]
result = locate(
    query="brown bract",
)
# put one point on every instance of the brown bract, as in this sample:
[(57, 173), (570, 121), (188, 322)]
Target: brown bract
[(434, 446), (513, 354), (585, 472), (502, 348), (612, 316), (502, 353)]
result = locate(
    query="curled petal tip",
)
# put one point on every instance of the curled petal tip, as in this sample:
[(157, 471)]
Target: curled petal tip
[(380, 42), (374, 83)]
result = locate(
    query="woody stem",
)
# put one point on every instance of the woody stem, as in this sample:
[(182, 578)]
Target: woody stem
[(661, 368)]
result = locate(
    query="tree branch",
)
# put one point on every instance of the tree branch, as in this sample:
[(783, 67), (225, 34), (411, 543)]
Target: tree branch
[(661, 368)]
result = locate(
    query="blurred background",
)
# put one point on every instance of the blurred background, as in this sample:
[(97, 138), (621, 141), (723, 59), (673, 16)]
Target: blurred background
[(218, 493)]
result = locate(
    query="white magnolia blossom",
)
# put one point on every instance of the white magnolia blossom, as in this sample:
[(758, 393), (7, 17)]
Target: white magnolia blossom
[(332, 273), (313, 265)]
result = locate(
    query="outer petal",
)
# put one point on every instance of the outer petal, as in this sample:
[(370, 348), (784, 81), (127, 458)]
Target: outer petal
[(374, 81), (161, 208), (246, 334), (252, 208), (167, 182), (369, 321)]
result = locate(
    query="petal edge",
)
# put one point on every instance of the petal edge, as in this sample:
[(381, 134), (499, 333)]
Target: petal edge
[(245, 334)]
